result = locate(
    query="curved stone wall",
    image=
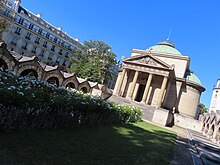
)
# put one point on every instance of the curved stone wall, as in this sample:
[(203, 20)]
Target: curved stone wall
[(189, 100)]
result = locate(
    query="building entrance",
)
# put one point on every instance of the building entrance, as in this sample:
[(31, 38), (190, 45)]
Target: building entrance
[(140, 93)]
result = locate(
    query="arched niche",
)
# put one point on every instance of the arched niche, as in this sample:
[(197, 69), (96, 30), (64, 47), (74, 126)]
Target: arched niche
[(71, 85), (84, 89), (53, 80), (3, 65), (29, 73)]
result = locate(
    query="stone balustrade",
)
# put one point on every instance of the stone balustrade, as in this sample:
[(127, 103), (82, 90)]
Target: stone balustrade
[(211, 126)]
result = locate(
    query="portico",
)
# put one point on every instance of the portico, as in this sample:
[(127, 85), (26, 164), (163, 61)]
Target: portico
[(142, 79)]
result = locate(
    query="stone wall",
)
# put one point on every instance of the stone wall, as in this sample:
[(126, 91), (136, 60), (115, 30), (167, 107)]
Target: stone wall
[(189, 100), (187, 122)]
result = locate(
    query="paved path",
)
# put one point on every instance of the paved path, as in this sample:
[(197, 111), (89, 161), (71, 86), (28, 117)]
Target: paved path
[(204, 151), (182, 150)]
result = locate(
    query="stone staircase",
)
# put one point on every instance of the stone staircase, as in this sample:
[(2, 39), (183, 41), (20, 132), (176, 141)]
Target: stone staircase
[(148, 111)]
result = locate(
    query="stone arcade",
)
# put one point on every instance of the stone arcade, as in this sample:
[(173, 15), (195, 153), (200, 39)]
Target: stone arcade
[(160, 77), (21, 65)]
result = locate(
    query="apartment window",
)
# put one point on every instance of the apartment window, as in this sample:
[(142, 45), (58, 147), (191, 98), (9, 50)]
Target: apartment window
[(67, 55), (53, 48), (28, 36), (31, 27), (37, 40), (62, 43), (58, 59), (50, 57), (14, 41), (55, 40), (21, 20), (40, 31), (6, 13), (61, 52), (18, 31), (48, 35), (42, 53), (25, 46), (34, 49), (45, 44)]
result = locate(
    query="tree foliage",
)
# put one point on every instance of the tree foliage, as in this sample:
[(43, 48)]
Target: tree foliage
[(203, 108), (3, 26), (94, 61)]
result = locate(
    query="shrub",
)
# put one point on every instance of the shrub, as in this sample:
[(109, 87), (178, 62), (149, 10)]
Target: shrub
[(28, 104)]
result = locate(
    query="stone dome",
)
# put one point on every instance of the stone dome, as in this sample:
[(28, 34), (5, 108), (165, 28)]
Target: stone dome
[(165, 47), (191, 77)]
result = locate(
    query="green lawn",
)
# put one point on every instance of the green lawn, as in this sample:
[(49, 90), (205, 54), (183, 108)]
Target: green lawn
[(140, 143)]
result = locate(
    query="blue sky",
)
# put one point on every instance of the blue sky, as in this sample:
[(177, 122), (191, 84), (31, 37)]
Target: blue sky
[(128, 24)]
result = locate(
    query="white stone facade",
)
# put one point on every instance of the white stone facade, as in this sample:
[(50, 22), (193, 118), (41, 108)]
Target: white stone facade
[(30, 35), (215, 101)]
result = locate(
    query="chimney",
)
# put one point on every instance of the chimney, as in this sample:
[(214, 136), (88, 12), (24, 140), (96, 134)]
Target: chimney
[(39, 15), (16, 5)]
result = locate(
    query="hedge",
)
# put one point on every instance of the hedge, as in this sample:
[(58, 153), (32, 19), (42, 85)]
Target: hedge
[(28, 104)]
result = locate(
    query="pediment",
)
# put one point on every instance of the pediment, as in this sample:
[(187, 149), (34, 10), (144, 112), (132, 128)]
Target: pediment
[(147, 60)]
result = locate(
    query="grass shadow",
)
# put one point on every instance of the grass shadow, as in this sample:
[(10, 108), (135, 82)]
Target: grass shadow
[(139, 143)]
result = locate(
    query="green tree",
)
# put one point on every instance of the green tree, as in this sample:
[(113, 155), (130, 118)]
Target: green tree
[(94, 61), (203, 108), (3, 27)]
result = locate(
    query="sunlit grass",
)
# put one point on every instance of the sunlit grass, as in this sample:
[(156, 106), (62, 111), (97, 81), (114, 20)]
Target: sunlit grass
[(139, 143)]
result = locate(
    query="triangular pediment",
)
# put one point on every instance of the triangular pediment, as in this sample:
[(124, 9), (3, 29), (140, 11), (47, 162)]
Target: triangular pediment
[(147, 60)]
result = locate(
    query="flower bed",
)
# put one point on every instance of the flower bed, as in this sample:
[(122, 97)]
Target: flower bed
[(28, 104)]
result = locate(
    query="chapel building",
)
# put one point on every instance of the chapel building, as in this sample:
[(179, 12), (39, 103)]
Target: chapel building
[(160, 77)]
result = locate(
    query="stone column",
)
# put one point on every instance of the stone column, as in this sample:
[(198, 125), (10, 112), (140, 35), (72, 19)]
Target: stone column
[(131, 91), (162, 91), (120, 82), (147, 88)]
